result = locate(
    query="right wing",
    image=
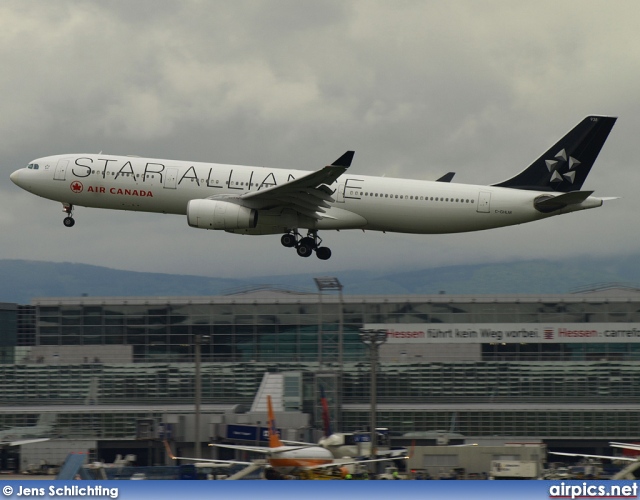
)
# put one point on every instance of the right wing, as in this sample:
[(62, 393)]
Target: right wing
[(309, 195), (208, 460)]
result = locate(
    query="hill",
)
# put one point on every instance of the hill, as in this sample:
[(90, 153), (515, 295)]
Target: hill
[(22, 280)]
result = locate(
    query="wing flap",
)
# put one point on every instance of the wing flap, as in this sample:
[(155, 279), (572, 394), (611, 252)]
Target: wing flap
[(309, 195), (300, 199)]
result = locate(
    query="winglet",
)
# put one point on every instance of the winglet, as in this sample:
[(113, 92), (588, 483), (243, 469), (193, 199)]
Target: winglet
[(168, 449), (274, 439), (446, 177), (345, 160)]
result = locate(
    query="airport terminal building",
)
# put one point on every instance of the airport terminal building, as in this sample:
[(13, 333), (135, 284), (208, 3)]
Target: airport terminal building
[(564, 369)]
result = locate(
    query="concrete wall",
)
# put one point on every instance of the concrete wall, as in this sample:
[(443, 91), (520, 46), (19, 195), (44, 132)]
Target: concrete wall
[(53, 452), (474, 459), (413, 353), (74, 354)]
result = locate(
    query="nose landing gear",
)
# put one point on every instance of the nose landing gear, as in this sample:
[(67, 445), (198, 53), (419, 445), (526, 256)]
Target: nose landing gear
[(307, 245), (68, 221)]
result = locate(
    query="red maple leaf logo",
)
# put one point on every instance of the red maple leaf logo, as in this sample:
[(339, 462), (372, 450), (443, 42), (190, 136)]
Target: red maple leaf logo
[(77, 187)]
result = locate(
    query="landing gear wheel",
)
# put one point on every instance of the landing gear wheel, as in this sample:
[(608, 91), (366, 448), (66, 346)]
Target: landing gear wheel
[(68, 221), (323, 253), (288, 240), (307, 241), (305, 247)]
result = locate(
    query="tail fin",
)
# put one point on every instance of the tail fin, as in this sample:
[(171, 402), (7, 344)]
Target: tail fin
[(92, 393), (326, 420), (565, 166), (47, 419), (274, 439)]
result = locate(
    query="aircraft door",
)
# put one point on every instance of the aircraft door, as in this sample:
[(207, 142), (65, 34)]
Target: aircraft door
[(340, 193), (171, 178), (484, 202), (61, 170)]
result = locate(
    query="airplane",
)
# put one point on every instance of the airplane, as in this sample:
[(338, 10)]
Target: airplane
[(17, 436), (260, 201), (280, 457), (349, 444), (285, 458), (630, 471)]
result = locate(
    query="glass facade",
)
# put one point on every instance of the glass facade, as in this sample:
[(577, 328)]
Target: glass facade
[(550, 423), (245, 335), (286, 329)]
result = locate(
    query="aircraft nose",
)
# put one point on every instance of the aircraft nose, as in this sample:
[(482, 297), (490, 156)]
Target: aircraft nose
[(15, 177)]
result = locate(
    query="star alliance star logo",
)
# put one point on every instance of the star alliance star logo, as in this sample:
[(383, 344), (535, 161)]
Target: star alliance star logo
[(77, 187), (560, 160)]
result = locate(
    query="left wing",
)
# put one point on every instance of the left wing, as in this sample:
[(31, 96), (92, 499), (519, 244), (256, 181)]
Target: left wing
[(19, 442), (607, 457), (309, 195), (265, 450), (341, 463), (208, 460)]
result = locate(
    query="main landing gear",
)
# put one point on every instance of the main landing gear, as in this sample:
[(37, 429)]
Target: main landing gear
[(306, 246), (68, 221)]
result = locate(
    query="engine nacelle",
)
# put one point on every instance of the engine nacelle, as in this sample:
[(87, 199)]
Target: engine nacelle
[(216, 214)]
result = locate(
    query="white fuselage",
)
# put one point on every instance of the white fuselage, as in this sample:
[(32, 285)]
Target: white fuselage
[(360, 201)]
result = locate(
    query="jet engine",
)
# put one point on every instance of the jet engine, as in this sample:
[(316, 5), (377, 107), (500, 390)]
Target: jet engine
[(216, 214)]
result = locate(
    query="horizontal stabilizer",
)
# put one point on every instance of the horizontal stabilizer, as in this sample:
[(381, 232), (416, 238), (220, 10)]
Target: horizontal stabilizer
[(546, 204)]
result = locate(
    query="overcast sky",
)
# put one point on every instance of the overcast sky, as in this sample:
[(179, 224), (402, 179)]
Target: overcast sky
[(417, 88)]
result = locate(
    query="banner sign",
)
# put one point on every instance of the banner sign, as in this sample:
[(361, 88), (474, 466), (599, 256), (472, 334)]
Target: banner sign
[(319, 490), (514, 333), (248, 432)]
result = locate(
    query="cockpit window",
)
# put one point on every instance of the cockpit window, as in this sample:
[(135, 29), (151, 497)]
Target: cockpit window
[(33, 166)]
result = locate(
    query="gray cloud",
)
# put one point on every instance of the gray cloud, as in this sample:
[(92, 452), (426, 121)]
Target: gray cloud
[(416, 88)]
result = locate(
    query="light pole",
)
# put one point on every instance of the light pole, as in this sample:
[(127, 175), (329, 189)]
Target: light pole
[(198, 394), (330, 283), (373, 339), (334, 347)]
